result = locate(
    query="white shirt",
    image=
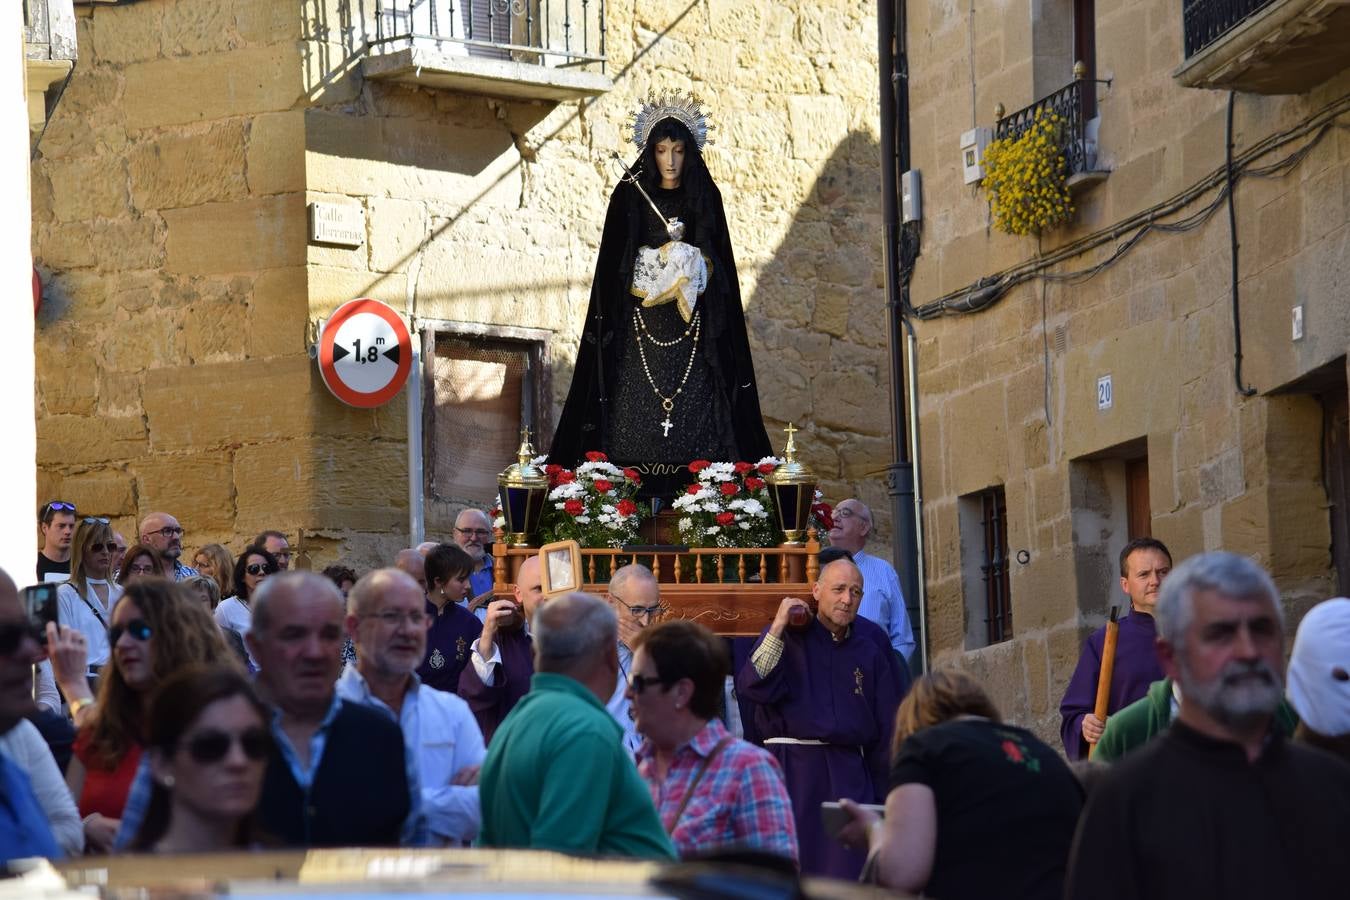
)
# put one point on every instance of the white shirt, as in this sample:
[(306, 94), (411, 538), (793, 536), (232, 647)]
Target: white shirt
[(233, 614), (441, 737), (24, 745), (90, 619), (883, 602)]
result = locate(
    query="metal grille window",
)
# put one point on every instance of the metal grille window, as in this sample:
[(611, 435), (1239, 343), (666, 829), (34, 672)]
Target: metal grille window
[(571, 31), (994, 568)]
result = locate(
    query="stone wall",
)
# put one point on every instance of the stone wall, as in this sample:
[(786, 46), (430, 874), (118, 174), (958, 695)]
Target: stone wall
[(169, 212), (1226, 471)]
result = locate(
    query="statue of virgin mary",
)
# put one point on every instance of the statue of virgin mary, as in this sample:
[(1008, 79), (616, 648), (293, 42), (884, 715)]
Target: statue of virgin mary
[(664, 374)]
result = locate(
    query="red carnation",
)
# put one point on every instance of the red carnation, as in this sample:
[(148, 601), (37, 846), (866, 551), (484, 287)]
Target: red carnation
[(626, 507), (725, 518), (566, 477), (597, 456), (603, 486), (693, 489), (743, 467), (729, 489), (574, 507), (825, 513), (753, 484), (632, 475), (766, 468), (552, 469), (698, 465)]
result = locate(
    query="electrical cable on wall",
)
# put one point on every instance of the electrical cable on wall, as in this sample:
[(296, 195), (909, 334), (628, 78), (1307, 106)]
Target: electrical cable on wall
[(986, 291)]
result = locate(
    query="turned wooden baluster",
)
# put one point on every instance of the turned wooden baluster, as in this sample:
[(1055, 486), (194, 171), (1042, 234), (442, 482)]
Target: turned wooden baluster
[(656, 566), (764, 568), (782, 566), (721, 569), (698, 567), (590, 568), (740, 567)]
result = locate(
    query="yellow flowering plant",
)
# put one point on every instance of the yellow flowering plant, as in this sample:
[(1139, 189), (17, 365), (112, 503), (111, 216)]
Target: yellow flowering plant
[(1026, 180)]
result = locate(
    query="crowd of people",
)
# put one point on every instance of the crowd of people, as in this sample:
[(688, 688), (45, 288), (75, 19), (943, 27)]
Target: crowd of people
[(237, 704)]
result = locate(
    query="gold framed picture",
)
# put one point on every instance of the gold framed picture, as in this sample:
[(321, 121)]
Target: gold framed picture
[(560, 567)]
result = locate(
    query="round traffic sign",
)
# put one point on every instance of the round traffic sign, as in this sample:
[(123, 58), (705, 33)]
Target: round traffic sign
[(365, 353)]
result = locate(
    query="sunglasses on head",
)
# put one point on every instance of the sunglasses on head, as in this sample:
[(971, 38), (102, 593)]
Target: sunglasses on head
[(56, 506), (12, 635), (259, 569), (95, 520), (137, 628), (212, 746)]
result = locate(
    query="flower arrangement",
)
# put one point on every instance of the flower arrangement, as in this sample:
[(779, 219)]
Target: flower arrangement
[(1025, 177), (728, 505), (593, 505)]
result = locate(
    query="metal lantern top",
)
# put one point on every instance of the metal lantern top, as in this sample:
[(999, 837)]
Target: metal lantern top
[(791, 472), (523, 473)]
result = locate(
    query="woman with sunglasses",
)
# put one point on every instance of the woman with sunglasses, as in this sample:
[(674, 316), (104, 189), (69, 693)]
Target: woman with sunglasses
[(717, 795), (85, 602), (208, 742), (234, 613), (156, 630), (141, 561)]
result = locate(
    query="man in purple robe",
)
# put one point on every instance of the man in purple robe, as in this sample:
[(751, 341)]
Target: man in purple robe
[(823, 698), (1144, 564), (502, 662)]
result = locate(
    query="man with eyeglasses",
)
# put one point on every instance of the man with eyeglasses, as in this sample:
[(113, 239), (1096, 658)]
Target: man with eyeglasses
[(473, 532), (635, 595), (502, 661), (387, 621), (24, 831), (57, 523), (883, 602), (162, 531), (275, 543)]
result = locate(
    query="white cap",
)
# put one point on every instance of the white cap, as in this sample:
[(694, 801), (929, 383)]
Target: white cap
[(1319, 669)]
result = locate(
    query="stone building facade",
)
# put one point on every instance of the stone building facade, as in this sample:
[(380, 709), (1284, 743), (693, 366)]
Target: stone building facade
[(170, 208), (1013, 404)]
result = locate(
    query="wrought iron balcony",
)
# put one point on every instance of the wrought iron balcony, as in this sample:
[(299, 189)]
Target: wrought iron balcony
[(1077, 139), (548, 49), (1264, 46), (1205, 21)]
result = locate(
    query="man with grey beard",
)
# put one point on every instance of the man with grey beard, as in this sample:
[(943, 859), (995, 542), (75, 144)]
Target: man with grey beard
[(1221, 805)]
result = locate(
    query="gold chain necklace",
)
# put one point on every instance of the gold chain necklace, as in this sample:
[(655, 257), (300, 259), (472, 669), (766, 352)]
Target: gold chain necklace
[(667, 403)]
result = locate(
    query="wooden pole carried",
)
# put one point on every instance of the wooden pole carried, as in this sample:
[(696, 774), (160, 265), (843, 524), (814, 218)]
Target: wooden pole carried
[(1104, 674)]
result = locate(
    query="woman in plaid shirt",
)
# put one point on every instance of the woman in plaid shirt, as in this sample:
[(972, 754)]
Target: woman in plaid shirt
[(716, 794)]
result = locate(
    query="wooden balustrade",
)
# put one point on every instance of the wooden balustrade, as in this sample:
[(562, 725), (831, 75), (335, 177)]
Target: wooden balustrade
[(734, 592)]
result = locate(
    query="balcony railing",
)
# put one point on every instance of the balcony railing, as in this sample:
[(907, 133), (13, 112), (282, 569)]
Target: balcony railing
[(1070, 104), (544, 32), (1205, 21)]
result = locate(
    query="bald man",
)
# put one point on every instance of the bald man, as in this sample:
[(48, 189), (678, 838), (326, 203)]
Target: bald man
[(413, 564), (162, 531), (501, 665), (883, 603)]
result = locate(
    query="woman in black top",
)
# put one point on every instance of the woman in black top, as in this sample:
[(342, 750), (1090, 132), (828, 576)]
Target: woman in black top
[(976, 808)]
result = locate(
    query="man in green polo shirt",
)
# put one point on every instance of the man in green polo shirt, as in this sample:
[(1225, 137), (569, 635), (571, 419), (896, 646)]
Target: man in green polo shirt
[(557, 776)]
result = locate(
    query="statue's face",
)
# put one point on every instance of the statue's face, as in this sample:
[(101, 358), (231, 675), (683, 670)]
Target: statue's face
[(669, 161)]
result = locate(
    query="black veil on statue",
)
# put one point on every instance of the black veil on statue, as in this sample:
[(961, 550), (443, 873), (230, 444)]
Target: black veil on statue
[(615, 401)]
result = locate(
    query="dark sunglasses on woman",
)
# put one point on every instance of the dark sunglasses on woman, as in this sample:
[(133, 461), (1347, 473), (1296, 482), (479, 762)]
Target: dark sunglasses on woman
[(259, 569), (208, 747), (137, 628)]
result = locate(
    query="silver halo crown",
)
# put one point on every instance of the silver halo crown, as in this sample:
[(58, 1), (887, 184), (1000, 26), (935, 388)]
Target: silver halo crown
[(686, 109)]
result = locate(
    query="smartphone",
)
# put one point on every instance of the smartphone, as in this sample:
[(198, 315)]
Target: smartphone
[(40, 601), (835, 817)]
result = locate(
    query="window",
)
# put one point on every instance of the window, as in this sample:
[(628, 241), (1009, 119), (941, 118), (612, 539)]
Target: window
[(1109, 499), (482, 385), (984, 557)]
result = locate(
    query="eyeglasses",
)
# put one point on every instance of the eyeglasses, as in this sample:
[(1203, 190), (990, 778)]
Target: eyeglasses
[(110, 546), (212, 746), (259, 569), (639, 611), (475, 532), (137, 628), (95, 520), (640, 683), (141, 569), (392, 617), (846, 514), (168, 530), (12, 635)]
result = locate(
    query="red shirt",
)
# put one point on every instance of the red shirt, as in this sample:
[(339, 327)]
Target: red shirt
[(105, 790)]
